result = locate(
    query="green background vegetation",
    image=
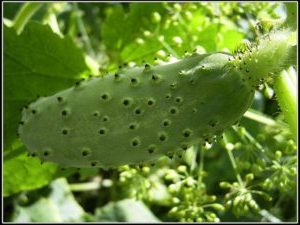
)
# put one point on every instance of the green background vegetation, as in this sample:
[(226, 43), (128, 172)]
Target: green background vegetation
[(248, 175)]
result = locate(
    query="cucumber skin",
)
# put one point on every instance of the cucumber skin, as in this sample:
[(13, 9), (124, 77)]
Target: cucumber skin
[(192, 100)]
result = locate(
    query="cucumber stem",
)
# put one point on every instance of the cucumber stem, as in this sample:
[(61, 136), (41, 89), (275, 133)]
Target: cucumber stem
[(256, 62)]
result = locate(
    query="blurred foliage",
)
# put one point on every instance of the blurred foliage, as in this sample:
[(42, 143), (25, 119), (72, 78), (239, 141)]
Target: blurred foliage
[(247, 174), (58, 205), (127, 210)]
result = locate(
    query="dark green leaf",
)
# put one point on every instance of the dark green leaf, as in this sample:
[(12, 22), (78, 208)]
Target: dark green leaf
[(37, 62), (25, 173)]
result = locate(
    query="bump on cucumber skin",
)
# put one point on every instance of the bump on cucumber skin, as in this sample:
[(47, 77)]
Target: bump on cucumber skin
[(137, 115)]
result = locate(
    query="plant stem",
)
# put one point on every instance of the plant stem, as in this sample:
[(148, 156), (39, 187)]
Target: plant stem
[(81, 27), (250, 138), (201, 166), (263, 119), (265, 214), (286, 93), (232, 160), (8, 22), (25, 13), (52, 21), (169, 48), (89, 186)]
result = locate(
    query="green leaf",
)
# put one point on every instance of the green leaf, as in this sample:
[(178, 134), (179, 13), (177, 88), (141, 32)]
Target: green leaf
[(37, 62), (59, 206), (291, 19), (229, 38), (137, 38), (22, 173), (127, 210), (121, 28)]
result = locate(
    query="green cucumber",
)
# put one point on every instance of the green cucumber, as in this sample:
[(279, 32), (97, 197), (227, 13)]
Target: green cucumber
[(139, 114)]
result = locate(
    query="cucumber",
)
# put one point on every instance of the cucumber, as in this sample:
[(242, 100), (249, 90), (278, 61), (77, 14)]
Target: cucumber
[(139, 114)]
